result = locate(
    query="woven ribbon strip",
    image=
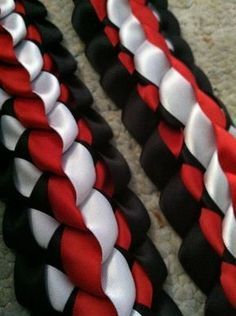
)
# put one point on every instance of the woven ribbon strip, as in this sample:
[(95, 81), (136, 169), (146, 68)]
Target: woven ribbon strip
[(187, 135), (79, 232)]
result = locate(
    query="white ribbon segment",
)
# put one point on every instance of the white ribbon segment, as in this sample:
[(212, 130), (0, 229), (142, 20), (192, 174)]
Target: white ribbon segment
[(78, 165), (217, 184), (154, 11), (28, 54), (229, 231), (232, 130), (118, 11), (135, 313), (3, 97), (42, 226), (131, 34), (59, 288), (170, 45), (47, 87), (177, 95), (63, 122), (99, 218), (6, 6), (11, 131), (26, 176), (199, 136), (119, 287), (151, 62), (15, 25)]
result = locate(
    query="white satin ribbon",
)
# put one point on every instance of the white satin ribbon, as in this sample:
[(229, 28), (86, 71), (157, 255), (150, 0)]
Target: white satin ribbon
[(47, 87), (154, 11), (42, 226), (229, 230), (232, 130), (119, 287), (6, 6), (30, 57), (11, 131), (131, 34), (217, 184), (118, 11), (26, 175), (3, 97), (177, 95), (15, 26), (170, 45), (199, 136), (135, 313), (99, 218), (151, 62), (63, 122), (78, 165), (58, 286)]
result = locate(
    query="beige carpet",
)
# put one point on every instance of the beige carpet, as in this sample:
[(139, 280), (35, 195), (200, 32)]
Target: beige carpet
[(210, 27)]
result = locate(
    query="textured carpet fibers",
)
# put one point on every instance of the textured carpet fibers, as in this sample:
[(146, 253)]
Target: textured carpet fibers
[(210, 27)]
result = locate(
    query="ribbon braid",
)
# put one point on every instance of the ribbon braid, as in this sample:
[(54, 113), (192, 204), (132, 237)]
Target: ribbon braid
[(79, 231), (168, 106)]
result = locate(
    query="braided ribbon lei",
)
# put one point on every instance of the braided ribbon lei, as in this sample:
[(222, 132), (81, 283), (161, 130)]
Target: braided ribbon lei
[(80, 234), (187, 135)]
